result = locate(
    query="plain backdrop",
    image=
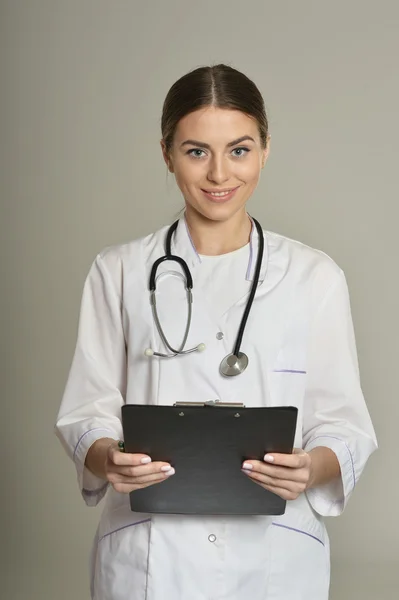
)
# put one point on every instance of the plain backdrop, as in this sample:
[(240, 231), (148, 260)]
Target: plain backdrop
[(82, 85)]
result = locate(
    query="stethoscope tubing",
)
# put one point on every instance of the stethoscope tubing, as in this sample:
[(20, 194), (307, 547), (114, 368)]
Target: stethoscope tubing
[(189, 285)]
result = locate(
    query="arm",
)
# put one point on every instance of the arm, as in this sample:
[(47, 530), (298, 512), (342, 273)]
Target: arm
[(324, 467), (95, 389), (338, 436), (335, 414), (96, 457)]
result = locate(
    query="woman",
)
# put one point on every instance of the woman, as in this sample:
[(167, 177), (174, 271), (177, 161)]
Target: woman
[(300, 341)]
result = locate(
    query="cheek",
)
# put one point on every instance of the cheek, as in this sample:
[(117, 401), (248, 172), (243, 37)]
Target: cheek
[(249, 168), (189, 174), (250, 173)]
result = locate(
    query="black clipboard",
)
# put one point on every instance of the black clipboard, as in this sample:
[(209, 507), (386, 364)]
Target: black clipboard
[(207, 444)]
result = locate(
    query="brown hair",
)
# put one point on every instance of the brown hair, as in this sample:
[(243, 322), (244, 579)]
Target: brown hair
[(220, 86)]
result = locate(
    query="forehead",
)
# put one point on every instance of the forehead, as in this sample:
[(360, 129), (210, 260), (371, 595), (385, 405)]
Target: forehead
[(216, 125)]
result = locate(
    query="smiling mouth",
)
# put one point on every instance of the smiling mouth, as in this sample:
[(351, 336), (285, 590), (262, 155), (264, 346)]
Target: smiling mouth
[(220, 193)]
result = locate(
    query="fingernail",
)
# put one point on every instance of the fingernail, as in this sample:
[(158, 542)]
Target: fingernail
[(170, 472), (247, 466), (268, 458), (166, 468), (145, 460)]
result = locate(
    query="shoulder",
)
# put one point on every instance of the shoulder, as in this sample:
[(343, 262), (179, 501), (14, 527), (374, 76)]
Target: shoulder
[(117, 262), (304, 264)]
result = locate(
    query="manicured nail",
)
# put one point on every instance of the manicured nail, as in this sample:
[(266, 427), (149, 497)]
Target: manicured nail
[(166, 468), (170, 472), (268, 458), (145, 460), (247, 466)]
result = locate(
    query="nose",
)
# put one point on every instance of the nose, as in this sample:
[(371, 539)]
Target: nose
[(218, 170)]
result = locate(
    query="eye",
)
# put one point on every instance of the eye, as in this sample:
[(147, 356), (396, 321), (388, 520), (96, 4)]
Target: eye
[(241, 151), (196, 153)]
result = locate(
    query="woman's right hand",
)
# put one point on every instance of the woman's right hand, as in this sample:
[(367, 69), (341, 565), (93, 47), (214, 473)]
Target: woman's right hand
[(125, 472)]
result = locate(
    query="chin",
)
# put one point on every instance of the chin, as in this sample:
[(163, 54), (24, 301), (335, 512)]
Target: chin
[(218, 212)]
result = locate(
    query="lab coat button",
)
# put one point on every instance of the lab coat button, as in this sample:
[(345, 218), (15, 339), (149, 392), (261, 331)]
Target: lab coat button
[(212, 537), (219, 335)]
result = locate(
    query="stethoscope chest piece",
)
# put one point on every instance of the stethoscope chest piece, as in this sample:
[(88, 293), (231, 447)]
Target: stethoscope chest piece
[(234, 365)]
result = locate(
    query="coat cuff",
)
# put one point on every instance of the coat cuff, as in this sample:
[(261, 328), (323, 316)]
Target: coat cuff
[(92, 488), (330, 499)]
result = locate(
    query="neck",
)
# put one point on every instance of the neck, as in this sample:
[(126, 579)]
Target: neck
[(212, 238)]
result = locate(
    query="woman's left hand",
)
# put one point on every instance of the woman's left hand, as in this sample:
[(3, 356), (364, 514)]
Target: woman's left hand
[(287, 475)]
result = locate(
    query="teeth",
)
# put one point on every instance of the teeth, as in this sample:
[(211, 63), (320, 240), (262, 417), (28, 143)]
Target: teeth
[(217, 194)]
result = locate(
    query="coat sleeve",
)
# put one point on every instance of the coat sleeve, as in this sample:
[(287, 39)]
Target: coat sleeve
[(335, 412), (95, 389)]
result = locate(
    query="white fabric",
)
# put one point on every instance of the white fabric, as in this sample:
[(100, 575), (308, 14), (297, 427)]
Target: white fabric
[(301, 345), (223, 278)]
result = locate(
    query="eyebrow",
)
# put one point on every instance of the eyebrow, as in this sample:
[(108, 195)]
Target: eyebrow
[(207, 146)]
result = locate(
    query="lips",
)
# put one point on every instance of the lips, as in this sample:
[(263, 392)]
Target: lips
[(220, 195)]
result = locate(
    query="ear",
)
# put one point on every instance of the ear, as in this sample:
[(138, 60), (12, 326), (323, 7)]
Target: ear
[(266, 152), (167, 157)]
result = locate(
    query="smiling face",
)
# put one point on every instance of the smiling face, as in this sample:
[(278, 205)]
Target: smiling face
[(217, 157)]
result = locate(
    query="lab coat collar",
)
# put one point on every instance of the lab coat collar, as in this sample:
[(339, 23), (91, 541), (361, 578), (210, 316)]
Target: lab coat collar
[(183, 245)]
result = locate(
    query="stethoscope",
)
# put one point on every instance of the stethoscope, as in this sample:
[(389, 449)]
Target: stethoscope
[(234, 363)]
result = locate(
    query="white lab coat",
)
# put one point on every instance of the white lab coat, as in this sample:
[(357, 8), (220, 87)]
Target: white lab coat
[(301, 348)]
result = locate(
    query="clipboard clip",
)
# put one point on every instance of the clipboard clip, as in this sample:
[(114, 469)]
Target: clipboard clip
[(212, 403)]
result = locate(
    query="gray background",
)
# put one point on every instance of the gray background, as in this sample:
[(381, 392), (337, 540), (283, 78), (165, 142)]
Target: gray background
[(82, 85)]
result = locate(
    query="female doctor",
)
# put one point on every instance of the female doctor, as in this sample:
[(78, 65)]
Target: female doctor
[(297, 348)]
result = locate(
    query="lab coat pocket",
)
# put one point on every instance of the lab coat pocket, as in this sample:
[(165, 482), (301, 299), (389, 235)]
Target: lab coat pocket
[(287, 385), (287, 388), (299, 562), (121, 559)]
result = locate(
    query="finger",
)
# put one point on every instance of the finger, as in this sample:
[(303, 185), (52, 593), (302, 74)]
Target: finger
[(296, 460), (283, 493), (285, 484), (126, 488), (123, 458), (272, 471), (286, 494), (137, 471), (117, 478)]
